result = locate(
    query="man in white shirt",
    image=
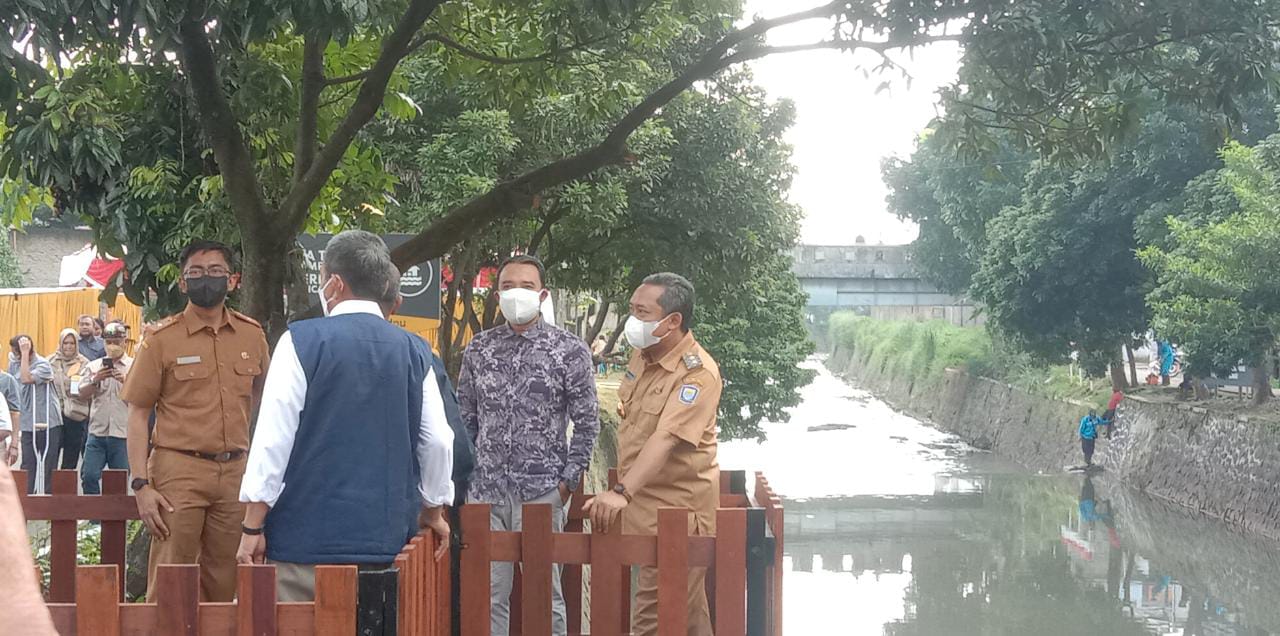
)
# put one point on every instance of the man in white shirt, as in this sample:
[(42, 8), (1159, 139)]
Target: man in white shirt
[(352, 451)]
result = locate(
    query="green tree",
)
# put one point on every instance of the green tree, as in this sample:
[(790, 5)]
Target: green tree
[(703, 195), (260, 105), (1049, 247), (1217, 296)]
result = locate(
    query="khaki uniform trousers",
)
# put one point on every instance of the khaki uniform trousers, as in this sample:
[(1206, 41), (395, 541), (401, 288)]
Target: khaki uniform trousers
[(204, 527), (644, 615)]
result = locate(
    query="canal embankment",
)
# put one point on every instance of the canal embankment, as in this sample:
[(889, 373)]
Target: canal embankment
[(1221, 463)]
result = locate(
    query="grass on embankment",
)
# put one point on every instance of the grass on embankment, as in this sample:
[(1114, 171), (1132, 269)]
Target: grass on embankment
[(922, 351)]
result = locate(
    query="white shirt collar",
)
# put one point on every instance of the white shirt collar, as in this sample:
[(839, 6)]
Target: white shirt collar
[(356, 306)]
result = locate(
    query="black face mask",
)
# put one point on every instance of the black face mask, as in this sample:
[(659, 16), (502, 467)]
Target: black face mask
[(207, 291)]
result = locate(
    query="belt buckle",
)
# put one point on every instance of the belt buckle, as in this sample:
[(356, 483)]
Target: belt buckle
[(224, 457)]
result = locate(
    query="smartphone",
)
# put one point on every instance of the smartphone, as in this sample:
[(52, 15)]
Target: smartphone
[(108, 363)]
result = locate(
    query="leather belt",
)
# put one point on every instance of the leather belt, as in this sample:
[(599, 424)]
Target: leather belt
[(222, 458)]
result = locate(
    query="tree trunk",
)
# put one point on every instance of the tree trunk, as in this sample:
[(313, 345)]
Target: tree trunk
[(263, 282), (1133, 365), (1261, 383), (447, 321), (1118, 380), (597, 325), (613, 339), (490, 319)]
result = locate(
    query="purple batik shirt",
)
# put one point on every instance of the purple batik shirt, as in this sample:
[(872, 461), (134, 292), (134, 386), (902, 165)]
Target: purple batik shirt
[(517, 393)]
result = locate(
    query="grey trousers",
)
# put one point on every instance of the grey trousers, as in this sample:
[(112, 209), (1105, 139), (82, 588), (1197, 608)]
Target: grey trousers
[(507, 516)]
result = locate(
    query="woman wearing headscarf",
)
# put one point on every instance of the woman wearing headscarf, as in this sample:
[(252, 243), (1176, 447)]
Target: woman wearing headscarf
[(68, 368)]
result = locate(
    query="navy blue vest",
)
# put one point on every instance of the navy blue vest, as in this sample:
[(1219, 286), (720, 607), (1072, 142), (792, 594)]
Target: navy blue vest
[(351, 487)]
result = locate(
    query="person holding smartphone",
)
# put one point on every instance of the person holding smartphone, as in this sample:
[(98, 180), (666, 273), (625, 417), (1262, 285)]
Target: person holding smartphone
[(107, 445)]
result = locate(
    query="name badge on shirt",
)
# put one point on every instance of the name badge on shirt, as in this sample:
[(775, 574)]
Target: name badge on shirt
[(189, 360)]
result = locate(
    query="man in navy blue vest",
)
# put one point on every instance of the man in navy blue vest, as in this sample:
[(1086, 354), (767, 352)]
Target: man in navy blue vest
[(352, 451)]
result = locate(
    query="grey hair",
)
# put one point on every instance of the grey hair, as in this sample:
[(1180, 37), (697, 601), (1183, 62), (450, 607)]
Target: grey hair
[(362, 260), (677, 296)]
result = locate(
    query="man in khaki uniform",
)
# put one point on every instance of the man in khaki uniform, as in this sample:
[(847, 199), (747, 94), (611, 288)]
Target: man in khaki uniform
[(667, 439), (202, 372)]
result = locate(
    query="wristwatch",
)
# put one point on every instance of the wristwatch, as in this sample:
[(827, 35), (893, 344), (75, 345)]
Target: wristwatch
[(139, 483), (622, 490)]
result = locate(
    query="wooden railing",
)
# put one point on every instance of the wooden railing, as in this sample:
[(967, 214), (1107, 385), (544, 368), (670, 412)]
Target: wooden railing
[(744, 580)]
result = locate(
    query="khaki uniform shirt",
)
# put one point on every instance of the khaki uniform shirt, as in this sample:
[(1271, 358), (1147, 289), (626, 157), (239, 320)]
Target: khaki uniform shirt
[(679, 394), (200, 381), (108, 414)]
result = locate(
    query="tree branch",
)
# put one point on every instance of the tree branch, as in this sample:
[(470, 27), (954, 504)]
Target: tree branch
[(510, 197), (304, 150), (294, 208), (235, 164)]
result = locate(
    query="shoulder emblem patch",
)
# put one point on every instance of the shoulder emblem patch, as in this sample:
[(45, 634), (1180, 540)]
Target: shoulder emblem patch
[(692, 360), (688, 393)]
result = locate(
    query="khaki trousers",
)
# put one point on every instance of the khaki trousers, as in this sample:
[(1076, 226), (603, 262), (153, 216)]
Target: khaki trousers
[(644, 615), (296, 582), (204, 527)]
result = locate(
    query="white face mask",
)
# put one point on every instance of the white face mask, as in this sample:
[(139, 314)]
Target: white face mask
[(324, 302), (520, 306), (640, 333)]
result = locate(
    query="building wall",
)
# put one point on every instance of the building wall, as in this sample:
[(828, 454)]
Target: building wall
[(40, 251), (873, 280)]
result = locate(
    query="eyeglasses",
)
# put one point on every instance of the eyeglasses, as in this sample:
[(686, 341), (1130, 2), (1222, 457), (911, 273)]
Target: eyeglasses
[(200, 272)]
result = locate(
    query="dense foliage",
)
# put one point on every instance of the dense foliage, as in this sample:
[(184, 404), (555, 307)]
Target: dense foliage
[(1048, 248)]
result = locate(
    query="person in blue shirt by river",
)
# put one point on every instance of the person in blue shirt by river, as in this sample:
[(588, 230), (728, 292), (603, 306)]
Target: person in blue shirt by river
[(1089, 435)]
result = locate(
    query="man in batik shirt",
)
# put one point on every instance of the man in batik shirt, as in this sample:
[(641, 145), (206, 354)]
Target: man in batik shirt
[(521, 385)]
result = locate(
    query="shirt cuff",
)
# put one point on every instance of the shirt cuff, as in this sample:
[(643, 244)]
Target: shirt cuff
[(572, 476)]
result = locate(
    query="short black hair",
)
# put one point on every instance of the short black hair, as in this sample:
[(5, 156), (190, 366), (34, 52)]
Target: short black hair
[(677, 296), (201, 245), (362, 260), (524, 259), (392, 293), (98, 323)]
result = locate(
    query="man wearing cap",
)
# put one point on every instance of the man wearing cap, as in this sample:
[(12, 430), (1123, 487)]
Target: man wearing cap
[(108, 414), (202, 372)]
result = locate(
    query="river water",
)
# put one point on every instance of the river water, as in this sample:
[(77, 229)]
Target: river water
[(896, 528)]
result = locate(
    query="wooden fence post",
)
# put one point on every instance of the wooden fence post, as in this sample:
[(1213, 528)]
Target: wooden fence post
[(178, 600), (335, 613), (475, 570), (673, 570), (115, 534), (731, 572), (571, 573), (256, 600), (98, 600), (537, 569), (62, 544), (758, 555), (607, 618)]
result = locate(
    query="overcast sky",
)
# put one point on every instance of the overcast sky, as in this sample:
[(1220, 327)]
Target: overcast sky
[(843, 128)]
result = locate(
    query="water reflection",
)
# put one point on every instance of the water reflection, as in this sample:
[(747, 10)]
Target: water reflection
[(895, 528)]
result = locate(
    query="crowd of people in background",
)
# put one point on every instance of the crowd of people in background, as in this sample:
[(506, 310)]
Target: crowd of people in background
[(63, 410)]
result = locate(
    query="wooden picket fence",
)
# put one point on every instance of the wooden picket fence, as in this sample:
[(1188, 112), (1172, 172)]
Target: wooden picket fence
[(744, 581)]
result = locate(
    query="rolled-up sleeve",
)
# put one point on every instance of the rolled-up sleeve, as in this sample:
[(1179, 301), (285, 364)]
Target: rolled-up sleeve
[(435, 447), (584, 412), (283, 396)]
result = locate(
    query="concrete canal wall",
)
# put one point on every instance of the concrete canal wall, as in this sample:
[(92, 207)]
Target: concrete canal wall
[(1219, 464)]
